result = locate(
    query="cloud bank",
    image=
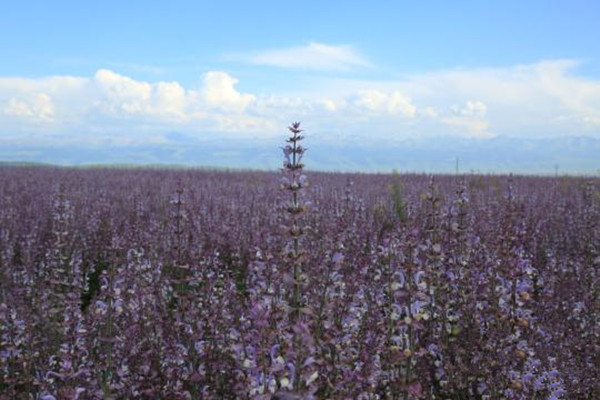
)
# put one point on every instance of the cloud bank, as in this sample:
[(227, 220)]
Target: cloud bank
[(546, 99)]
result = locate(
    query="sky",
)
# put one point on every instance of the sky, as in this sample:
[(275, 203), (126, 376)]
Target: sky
[(145, 82)]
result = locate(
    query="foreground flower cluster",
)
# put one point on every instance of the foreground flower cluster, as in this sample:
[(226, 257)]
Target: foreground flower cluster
[(202, 284)]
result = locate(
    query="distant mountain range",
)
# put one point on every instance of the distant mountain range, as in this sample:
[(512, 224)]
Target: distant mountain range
[(572, 155)]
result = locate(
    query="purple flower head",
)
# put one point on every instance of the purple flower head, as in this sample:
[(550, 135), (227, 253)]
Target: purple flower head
[(528, 377), (337, 257), (553, 373), (538, 384), (273, 351), (295, 127)]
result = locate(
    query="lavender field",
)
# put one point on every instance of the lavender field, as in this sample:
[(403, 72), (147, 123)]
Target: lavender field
[(190, 284)]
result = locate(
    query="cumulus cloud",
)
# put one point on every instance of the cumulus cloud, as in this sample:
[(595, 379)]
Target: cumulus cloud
[(328, 104), (312, 56), (473, 109), (578, 95), (474, 127), (88, 108), (219, 92), (544, 99), (429, 113), (170, 99), (122, 95), (38, 108), (470, 118), (379, 102)]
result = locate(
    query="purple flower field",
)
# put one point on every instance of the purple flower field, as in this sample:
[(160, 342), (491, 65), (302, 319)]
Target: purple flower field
[(191, 284)]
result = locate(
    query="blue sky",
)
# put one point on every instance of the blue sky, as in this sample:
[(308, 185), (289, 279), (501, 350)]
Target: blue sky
[(131, 73)]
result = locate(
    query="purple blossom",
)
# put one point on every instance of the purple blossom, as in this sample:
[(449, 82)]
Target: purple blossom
[(113, 287)]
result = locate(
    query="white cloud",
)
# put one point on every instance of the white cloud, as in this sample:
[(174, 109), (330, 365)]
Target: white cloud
[(312, 56), (121, 95), (470, 118), (429, 112), (578, 95), (473, 109), (219, 92), (373, 100), (39, 108), (329, 104), (523, 97), (475, 127), (111, 106), (378, 102), (170, 99), (544, 99)]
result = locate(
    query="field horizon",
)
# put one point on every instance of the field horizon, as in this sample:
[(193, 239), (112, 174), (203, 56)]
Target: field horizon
[(217, 169)]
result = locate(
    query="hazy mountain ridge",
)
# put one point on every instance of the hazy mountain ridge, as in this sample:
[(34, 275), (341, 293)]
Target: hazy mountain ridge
[(575, 155)]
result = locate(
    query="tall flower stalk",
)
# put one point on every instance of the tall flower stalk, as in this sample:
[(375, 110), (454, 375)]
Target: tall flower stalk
[(294, 182)]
